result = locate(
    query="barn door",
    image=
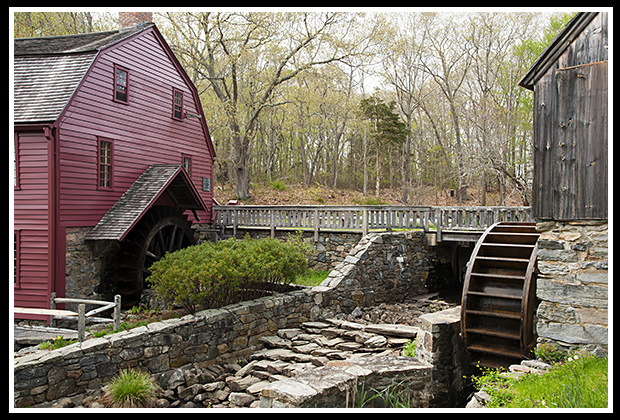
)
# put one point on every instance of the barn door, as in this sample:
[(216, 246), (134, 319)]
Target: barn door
[(571, 157)]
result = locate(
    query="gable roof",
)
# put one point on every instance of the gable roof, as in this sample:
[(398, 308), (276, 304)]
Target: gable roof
[(48, 70), (557, 47), (134, 203)]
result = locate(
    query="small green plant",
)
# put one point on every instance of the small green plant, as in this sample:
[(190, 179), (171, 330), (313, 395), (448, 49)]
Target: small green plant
[(409, 348), (131, 389), (549, 353), (396, 395), (278, 185), (56, 343), (123, 327)]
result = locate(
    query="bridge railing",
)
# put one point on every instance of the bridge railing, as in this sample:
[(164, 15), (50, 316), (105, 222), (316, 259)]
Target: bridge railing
[(367, 218)]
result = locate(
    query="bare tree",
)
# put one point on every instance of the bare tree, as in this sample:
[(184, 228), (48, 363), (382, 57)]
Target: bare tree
[(447, 61), (246, 57)]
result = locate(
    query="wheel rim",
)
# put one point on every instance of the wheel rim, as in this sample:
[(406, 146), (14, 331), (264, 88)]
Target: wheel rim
[(161, 230)]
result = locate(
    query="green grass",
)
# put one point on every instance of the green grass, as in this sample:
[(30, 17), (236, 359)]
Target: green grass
[(123, 327), (131, 389), (311, 278), (580, 382)]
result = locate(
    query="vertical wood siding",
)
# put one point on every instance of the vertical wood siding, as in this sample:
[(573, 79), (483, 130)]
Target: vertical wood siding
[(143, 131), (570, 131)]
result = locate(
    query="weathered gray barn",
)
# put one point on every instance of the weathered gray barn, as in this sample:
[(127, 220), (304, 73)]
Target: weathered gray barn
[(570, 183), (569, 81)]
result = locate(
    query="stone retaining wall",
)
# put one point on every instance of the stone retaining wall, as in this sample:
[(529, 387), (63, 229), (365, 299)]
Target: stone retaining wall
[(382, 267), (573, 284)]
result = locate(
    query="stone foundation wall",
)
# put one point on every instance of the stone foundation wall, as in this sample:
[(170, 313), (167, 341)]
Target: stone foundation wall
[(87, 277), (380, 267), (573, 284)]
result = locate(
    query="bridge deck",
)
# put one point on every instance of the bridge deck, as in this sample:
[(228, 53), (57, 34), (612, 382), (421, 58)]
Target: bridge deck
[(448, 223)]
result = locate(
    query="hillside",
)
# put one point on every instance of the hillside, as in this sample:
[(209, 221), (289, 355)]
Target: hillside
[(280, 194)]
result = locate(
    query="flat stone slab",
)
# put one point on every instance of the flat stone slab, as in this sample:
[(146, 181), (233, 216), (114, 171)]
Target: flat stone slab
[(394, 330), (332, 385), (34, 335)]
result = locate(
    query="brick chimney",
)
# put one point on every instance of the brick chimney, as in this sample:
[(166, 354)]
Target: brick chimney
[(127, 20)]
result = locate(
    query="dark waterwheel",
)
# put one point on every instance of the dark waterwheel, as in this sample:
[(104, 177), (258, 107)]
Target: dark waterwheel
[(162, 229), (499, 295)]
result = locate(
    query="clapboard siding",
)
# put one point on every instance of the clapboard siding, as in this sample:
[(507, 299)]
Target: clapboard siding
[(31, 220), (64, 106), (143, 132)]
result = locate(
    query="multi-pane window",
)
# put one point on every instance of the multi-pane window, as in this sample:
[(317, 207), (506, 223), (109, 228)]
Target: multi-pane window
[(187, 164), (177, 112), (121, 84), (105, 164)]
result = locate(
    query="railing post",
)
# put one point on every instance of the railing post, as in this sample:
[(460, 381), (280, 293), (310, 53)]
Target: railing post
[(52, 306), (438, 218), (235, 217), (315, 223), (272, 223), (81, 322), (365, 222), (117, 312)]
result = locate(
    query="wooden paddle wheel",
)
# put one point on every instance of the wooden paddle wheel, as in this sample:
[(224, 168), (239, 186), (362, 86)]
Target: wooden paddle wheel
[(499, 295), (162, 229)]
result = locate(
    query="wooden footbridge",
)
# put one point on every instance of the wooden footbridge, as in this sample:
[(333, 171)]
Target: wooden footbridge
[(498, 299), (447, 223)]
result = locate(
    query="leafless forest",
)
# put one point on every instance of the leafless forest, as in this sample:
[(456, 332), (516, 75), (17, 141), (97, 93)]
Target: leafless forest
[(402, 101)]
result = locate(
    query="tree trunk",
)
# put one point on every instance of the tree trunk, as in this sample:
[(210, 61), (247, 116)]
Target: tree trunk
[(242, 175), (378, 179)]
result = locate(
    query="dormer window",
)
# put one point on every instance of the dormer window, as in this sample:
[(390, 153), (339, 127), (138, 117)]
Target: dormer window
[(177, 106), (121, 84)]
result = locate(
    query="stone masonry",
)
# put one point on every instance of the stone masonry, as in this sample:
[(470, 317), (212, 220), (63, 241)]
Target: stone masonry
[(573, 284), (382, 267)]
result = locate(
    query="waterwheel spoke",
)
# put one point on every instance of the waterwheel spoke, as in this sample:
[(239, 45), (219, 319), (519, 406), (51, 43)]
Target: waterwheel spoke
[(171, 242), (160, 231)]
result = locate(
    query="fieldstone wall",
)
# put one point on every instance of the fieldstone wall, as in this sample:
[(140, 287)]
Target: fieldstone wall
[(389, 267), (87, 277), (379, 268), (573, 284)]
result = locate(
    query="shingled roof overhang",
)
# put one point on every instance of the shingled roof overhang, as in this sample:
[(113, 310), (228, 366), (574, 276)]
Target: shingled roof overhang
[(143, 193)]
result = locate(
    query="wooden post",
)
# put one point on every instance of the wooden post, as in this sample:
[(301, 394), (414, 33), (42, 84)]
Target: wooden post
[(272, 224), (315, 222), (438, 217), (117, 312), (235, 217), (81, 322), (365, 222), (52, 306)]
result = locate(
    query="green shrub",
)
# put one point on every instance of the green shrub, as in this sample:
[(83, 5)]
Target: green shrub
[(278, 185), (211, 274)]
